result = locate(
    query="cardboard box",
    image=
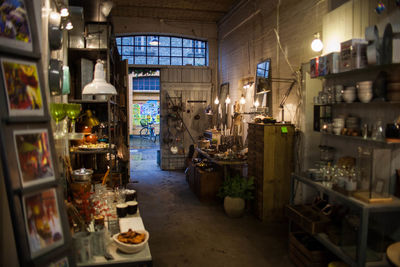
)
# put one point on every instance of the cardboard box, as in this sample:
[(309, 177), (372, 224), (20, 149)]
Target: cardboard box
[(353, 54), (314, 67), (332, 63)]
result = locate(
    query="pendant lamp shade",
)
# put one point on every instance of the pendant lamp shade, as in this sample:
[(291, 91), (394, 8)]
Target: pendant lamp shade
[(99, 85)]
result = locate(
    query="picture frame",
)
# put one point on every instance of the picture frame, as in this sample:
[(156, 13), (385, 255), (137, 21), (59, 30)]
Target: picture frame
[(22, 87), (42, 221), (19, 36), (379, 186), (34, 156)]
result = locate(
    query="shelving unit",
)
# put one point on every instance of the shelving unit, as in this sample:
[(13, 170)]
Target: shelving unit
[(364, 209)]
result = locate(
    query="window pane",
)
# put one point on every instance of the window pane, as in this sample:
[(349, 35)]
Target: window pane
[(188, 52), (200, 44), (152, 39), (200, 53), (140, 40), (187, 43), (176, 61), (152, 60), (176, 52), (140, 51), (165, 61), (127, 50), (165, 41), (188, 61), (118, 40), (129, 58), (164, 51), (260, 72), (200, 62), (152, 51), (127, 40), (176, 42), (140, 60), (266, 74), (119, 50)]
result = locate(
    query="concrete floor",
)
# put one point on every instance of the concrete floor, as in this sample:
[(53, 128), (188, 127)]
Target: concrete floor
[(186, 232)]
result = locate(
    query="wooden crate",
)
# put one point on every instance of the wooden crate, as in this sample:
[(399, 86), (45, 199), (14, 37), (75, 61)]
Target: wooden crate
[(307, 218), (207, 184), (303, 256)]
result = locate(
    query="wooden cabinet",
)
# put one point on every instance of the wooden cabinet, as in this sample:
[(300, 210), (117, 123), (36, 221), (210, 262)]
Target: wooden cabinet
[(270, 162)]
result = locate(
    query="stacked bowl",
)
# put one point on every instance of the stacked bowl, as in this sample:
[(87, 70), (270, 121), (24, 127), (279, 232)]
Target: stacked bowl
[(338, 125), (349, 94), (364, 91)]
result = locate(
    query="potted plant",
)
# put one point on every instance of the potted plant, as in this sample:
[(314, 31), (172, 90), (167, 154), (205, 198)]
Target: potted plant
[(235, 190)]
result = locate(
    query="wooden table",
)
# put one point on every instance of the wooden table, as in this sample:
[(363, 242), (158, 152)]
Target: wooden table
[(393, 253), (221, 162), (142, 258)]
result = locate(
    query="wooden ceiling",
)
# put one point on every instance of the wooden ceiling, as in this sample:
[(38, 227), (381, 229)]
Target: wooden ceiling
[(186, 10)]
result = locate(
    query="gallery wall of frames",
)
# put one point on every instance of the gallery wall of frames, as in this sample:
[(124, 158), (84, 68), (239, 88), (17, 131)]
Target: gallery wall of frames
[(38, 214)]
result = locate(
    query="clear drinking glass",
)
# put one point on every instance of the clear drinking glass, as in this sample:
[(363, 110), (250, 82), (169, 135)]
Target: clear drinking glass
[(58, 113), (73, 111)]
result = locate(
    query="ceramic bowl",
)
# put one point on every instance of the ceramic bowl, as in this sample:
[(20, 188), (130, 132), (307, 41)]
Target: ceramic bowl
[(365, 98), (132, 248), (349, 96)]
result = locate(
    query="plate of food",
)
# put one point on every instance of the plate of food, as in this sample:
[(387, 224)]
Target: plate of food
[(131, 241)]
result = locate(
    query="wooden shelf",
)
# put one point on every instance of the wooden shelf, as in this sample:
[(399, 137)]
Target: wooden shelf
[(369, 69), (386, 142)]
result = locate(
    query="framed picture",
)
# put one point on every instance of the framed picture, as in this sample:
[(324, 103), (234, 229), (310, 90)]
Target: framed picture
[(16, 28), (22, 87), (35, 164), (42, 218)]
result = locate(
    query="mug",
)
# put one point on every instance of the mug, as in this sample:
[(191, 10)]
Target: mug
[(132, 207), (122, 210)]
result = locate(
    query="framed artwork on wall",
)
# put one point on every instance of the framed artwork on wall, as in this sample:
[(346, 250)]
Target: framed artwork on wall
[(43, 224), (35, 164), (16, 24), (22, 87)]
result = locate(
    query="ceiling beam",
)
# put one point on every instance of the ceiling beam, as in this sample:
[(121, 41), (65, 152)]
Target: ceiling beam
[(172, 9)]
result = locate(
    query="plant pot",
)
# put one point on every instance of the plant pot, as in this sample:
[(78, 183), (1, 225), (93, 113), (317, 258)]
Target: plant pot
[(234, 206)]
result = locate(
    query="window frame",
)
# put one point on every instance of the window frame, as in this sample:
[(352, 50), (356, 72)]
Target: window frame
[(197, 53)]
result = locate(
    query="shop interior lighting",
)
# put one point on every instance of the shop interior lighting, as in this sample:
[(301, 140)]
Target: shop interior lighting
[(216, 101), (247, 85), (64, 12), (227, 100), (106, 7), (316, 44), (99, 85), (242, 100), (55, 18), (69, 26), (256, 104)]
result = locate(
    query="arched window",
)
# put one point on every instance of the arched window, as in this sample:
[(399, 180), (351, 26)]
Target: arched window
[(162, 50)]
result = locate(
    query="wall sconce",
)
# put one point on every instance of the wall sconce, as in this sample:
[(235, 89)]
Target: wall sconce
[(256, 104), (69, 26), (242, 100), (216, 101), (316, 44), (64, 12), (227, 100)]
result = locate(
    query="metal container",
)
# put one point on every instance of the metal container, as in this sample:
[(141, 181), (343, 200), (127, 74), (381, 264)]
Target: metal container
[(82, 175)]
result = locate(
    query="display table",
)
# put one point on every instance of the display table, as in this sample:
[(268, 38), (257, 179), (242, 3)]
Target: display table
[(393, 253), (142, 258)]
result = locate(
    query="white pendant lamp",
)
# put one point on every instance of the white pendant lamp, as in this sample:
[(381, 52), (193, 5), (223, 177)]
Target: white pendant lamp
[(99, 85)]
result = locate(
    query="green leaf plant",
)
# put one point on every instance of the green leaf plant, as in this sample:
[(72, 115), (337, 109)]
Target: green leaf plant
[(237, 186)]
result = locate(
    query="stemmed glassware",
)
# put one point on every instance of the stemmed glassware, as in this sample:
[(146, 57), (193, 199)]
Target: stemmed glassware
[(58, 113), (73, 111)]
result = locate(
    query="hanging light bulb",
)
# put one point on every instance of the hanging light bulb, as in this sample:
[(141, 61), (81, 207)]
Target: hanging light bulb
[(242, 100), (64, 12), (256, 104), (316, 44), (227, 100), (99, 85), (216, 101), (154, 41)]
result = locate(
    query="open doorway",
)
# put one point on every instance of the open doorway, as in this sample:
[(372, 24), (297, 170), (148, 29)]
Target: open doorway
[(144, 117)]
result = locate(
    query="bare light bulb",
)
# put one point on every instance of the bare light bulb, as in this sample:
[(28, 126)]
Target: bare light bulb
[(256, 104), (227, 100), (69, 26), (216, 101), (242, 100), (64, 12), (316, 44)]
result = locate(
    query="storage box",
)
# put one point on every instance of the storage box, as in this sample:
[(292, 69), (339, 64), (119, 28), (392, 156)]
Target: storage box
[(314, 67), (304, 250), (353, 54), (332, 62), (207, 184), (322, 66)]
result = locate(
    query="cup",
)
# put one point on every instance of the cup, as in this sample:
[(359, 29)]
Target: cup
[(132, 207), (122, 210), (82, 245), (130, 195)]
